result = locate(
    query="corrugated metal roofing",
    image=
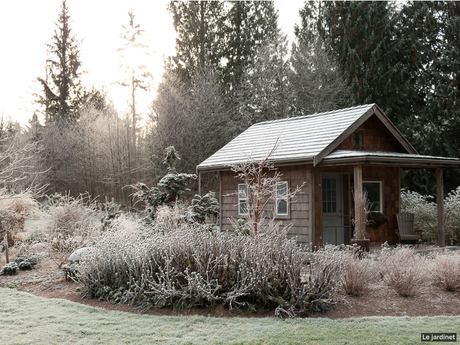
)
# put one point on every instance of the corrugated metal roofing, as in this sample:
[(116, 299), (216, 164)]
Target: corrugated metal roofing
[(306, 139), (299, 138)]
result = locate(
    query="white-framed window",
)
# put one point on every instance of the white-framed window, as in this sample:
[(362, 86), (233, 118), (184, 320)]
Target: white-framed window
[(243, 199), (374, 195), (282, 205)]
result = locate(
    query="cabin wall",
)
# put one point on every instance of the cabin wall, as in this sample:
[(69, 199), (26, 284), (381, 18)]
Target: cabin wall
[(376, 137), (305, 212), (391, 178), (391, 186), (300, 213)]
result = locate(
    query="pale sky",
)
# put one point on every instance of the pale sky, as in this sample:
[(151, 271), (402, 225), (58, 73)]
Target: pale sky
[(26, 26)]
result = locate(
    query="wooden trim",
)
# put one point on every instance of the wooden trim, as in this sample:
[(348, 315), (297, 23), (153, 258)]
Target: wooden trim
[(357, 188), (392, 128), (311, 205), (382, 190), (328, 149), (440, 195), (220, 199), (289, 202)]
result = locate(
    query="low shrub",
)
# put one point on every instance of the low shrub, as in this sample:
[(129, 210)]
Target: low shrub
[(70, 223), (425, 209), (9, 269), (445, 270), (402, 269), (70, 270), (191, 266), (358, 274), (27, 262)]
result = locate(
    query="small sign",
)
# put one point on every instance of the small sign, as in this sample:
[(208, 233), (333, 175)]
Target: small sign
[(439, 337)]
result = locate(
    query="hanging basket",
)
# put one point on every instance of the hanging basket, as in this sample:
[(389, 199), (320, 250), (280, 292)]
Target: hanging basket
[(376, 218)]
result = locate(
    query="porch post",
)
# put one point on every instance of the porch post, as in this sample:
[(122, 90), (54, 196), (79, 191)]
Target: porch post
[(358, 190), (199, 183), (440, 193)]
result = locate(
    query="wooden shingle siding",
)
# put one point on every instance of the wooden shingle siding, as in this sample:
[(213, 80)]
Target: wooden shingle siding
[(390, 177), (376, 137), (299, 215)]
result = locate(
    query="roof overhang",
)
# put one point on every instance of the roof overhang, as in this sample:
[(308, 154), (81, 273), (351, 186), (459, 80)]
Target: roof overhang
[(403, 160), (350, 157)]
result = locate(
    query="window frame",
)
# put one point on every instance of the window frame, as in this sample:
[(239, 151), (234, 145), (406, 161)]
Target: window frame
[(243, 200), (380, 183), (358, 140), (281, 198)]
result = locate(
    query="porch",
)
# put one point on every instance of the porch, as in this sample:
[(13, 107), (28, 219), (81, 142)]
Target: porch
[(335, 207)]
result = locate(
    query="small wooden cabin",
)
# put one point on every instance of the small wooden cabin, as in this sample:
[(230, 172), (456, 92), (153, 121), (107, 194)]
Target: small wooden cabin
[(333, 153)]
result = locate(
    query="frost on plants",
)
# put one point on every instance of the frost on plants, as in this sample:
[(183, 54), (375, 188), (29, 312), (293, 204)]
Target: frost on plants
[(402, 269), (9, 269), (445, 270), (189, 266), (425, 210), (71, 223)]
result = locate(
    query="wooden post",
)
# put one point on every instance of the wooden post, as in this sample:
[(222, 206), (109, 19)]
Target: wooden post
[(311, 204), (357, 191), (199, 183), (440, 193), (220, 199)]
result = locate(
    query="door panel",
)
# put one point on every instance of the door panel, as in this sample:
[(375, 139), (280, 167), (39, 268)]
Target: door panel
[(333, 209)]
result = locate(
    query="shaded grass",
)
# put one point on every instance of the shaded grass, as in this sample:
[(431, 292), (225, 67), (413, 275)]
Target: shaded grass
[(27, 319)]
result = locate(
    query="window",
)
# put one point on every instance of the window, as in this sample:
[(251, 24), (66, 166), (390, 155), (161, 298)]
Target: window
[(358, 140), (374, 195), (282, 198), (243, 199)]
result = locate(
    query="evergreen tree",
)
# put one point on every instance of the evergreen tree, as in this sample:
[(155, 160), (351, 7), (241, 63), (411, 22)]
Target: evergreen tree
[(62, 91), (199, 41), (265, 92), (317, 82), (248, 26), (362, 36), (430, 32)]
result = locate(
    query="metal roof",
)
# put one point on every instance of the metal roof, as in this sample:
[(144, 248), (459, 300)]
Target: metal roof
[(400, 159), (306, 139)]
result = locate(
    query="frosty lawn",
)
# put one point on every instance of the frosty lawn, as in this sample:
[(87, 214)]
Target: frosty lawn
[(27, 319)]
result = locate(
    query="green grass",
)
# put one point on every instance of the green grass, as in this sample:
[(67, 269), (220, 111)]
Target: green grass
[(27, 319)]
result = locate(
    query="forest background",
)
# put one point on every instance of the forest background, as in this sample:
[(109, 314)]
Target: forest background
[(233, 67)]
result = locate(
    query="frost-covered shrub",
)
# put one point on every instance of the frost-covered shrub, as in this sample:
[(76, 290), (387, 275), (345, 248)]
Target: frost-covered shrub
[(358, 273), (191, 266), (9, 269), (27, 262), (426, 215), (452, 217), (204, 207), (70, 270), (402, 269), (110, 211), (70, 223), (445, 270)]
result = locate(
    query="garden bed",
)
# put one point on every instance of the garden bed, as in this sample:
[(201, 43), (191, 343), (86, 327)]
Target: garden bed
[(47, 280)]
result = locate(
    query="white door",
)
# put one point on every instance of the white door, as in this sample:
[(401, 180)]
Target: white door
[(332, 193)]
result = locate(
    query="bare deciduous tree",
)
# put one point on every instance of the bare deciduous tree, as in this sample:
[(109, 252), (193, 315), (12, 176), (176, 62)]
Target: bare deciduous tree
[(261, 178)]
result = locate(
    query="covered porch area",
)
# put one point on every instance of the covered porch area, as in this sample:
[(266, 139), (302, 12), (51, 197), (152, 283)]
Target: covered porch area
[(343, 173)]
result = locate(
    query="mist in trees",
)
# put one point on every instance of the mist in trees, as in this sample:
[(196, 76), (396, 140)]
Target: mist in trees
[(233, 67)]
